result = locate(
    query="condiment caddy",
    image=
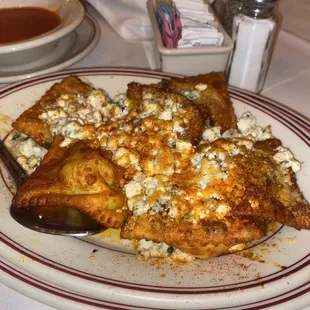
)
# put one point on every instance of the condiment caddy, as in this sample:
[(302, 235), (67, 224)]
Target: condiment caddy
[(190, 60)]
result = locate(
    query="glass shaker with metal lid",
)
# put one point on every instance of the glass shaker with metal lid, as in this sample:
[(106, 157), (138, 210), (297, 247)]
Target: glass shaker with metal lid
[(253, 36)]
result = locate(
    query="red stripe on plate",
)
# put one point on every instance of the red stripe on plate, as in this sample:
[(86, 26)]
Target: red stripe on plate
[(46, 287)]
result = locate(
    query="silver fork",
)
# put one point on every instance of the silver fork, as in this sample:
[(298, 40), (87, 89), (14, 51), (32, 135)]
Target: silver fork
[(50, 220)]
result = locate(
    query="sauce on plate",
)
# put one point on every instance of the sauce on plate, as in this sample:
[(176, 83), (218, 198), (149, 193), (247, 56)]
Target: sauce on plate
[(18, 24)]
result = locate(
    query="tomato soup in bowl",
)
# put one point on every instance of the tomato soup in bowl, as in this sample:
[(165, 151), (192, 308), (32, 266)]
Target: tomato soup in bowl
[(29, 29)]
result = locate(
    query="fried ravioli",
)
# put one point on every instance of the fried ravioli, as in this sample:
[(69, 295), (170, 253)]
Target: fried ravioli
[(29, 122), (193, 128), (221, 200), (209, 93), (271, 190), (206, 239), (78, 177)]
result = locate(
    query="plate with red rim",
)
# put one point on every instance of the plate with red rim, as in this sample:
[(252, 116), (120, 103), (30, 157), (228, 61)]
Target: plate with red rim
[(103, 272)]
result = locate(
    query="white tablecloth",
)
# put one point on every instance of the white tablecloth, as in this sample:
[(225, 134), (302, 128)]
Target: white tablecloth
[(288, 81)]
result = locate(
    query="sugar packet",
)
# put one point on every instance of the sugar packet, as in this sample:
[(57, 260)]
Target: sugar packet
[(169, 23)]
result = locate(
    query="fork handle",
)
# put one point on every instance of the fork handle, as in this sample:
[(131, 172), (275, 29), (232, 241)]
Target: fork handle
[(12, 166)]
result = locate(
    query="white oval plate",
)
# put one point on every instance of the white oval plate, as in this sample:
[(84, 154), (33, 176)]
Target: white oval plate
[(68, 51), (71, 269)]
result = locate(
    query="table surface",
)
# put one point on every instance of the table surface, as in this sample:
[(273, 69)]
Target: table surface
[(287, 82)]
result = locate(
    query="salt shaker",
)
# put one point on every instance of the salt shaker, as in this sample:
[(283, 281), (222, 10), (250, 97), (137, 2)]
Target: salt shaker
[(253, 36)]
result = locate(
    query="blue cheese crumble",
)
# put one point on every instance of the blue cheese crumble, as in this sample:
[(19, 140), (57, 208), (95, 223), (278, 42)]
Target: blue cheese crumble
[(28, 153), (150, 249), (247, 128), (77, 117), (286, 159)]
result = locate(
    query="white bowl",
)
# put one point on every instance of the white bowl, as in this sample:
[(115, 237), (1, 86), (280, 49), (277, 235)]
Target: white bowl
[(71, 13)]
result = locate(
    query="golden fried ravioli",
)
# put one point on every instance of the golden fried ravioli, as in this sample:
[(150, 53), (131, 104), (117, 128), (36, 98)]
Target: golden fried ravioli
[(205, 239), (209, 93), (30, 124), (78, 177), (221, 199), (183, 114)]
